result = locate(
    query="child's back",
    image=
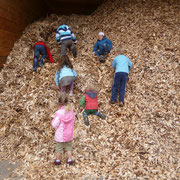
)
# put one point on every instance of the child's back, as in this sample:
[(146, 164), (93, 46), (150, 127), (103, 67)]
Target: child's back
[(63, 122)]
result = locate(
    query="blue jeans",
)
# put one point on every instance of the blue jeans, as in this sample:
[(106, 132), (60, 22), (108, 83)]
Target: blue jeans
[(103, 50), (120, 79), (39, 49)]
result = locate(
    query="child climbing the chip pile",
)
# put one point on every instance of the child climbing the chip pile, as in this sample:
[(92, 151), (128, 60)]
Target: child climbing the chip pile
[(66, 38), (122, 65), (65, 75), (63, 122), (90, 102), (40, 49), (102, 47)]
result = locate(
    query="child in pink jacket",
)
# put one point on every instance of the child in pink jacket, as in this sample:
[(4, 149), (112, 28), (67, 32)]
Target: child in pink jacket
[(63, 122)]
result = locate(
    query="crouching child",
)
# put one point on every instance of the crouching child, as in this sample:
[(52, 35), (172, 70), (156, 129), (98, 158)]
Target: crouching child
[(90, 102), (41, 51), (65, 75), (102, 47)]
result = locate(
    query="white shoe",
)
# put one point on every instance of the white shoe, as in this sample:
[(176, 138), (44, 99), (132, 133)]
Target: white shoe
[(71, 94)]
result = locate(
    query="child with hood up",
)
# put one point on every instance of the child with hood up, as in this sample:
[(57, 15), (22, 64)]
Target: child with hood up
[(63, 122), (90, 102)]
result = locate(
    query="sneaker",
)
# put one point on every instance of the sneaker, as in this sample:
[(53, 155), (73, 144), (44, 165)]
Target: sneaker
[(101, 59), (86, 121), (101, 115), (113, 102), (71, 163), (34, 69), (71, 94), (121, 104), (57, 163)]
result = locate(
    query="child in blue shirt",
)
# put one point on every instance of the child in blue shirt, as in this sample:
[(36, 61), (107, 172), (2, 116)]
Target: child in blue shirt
[(65, 75), (102, 47), (122, 66)]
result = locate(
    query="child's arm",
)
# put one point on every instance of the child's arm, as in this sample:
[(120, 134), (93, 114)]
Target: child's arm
[(73, 36), (114, 63), (95, 47), (74, 72), (82, 101), (57, 78), (58, 35), (129, 64), (109, 43), (55, 122)]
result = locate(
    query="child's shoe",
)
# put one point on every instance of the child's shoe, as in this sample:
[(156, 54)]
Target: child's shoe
[(71, 93), (121, 104), (101, 115), (102, 59), (113, 102), (71, 162), (57, 162), (86, 120), (34, 69)]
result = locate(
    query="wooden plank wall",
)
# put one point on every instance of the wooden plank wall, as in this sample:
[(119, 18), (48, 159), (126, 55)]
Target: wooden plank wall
[(15, 15)]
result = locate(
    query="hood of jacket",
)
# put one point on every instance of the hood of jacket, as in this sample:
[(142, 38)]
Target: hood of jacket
[(66, 116), (92, 94)]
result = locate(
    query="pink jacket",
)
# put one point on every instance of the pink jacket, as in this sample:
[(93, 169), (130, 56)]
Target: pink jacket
[(63, 122)]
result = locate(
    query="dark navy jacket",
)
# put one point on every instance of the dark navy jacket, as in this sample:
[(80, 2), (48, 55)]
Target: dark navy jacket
[(99, 44)]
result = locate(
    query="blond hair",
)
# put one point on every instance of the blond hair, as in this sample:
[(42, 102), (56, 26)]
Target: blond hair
[(120, 50), (63, 101), (91, 87)]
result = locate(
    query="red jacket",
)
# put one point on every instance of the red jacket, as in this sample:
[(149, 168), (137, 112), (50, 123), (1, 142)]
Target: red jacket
[(91, 100), (47, 50)]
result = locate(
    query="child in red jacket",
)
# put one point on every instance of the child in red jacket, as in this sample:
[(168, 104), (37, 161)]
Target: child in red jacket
[(90, 102), (40, 48)]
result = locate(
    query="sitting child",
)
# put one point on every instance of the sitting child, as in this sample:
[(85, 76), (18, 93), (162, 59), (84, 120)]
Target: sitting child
[(90, 102), (40, 48), (102, 47), (65, 75), (63, 122)]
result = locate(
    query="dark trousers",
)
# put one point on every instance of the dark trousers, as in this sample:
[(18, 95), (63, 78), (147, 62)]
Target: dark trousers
[(120, 80), (39, 50), (68, 44), (102, 51)]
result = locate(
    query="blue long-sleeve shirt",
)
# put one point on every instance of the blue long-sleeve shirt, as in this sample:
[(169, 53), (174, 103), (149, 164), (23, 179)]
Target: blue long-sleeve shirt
[(64, 32), (99, 44), (122, 63), (65, 71)]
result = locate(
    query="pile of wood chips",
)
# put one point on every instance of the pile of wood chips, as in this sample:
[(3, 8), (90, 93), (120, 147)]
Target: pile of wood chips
[(137, 141)]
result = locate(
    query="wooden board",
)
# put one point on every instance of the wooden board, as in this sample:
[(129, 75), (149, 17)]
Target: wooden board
[(15, 15)]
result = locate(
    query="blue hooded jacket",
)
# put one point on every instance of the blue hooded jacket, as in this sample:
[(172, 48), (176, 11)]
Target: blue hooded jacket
[(65, 71), (99, 44)]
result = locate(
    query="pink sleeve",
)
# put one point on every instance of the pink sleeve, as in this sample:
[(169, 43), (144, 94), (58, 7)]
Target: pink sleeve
[(55, 122)]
